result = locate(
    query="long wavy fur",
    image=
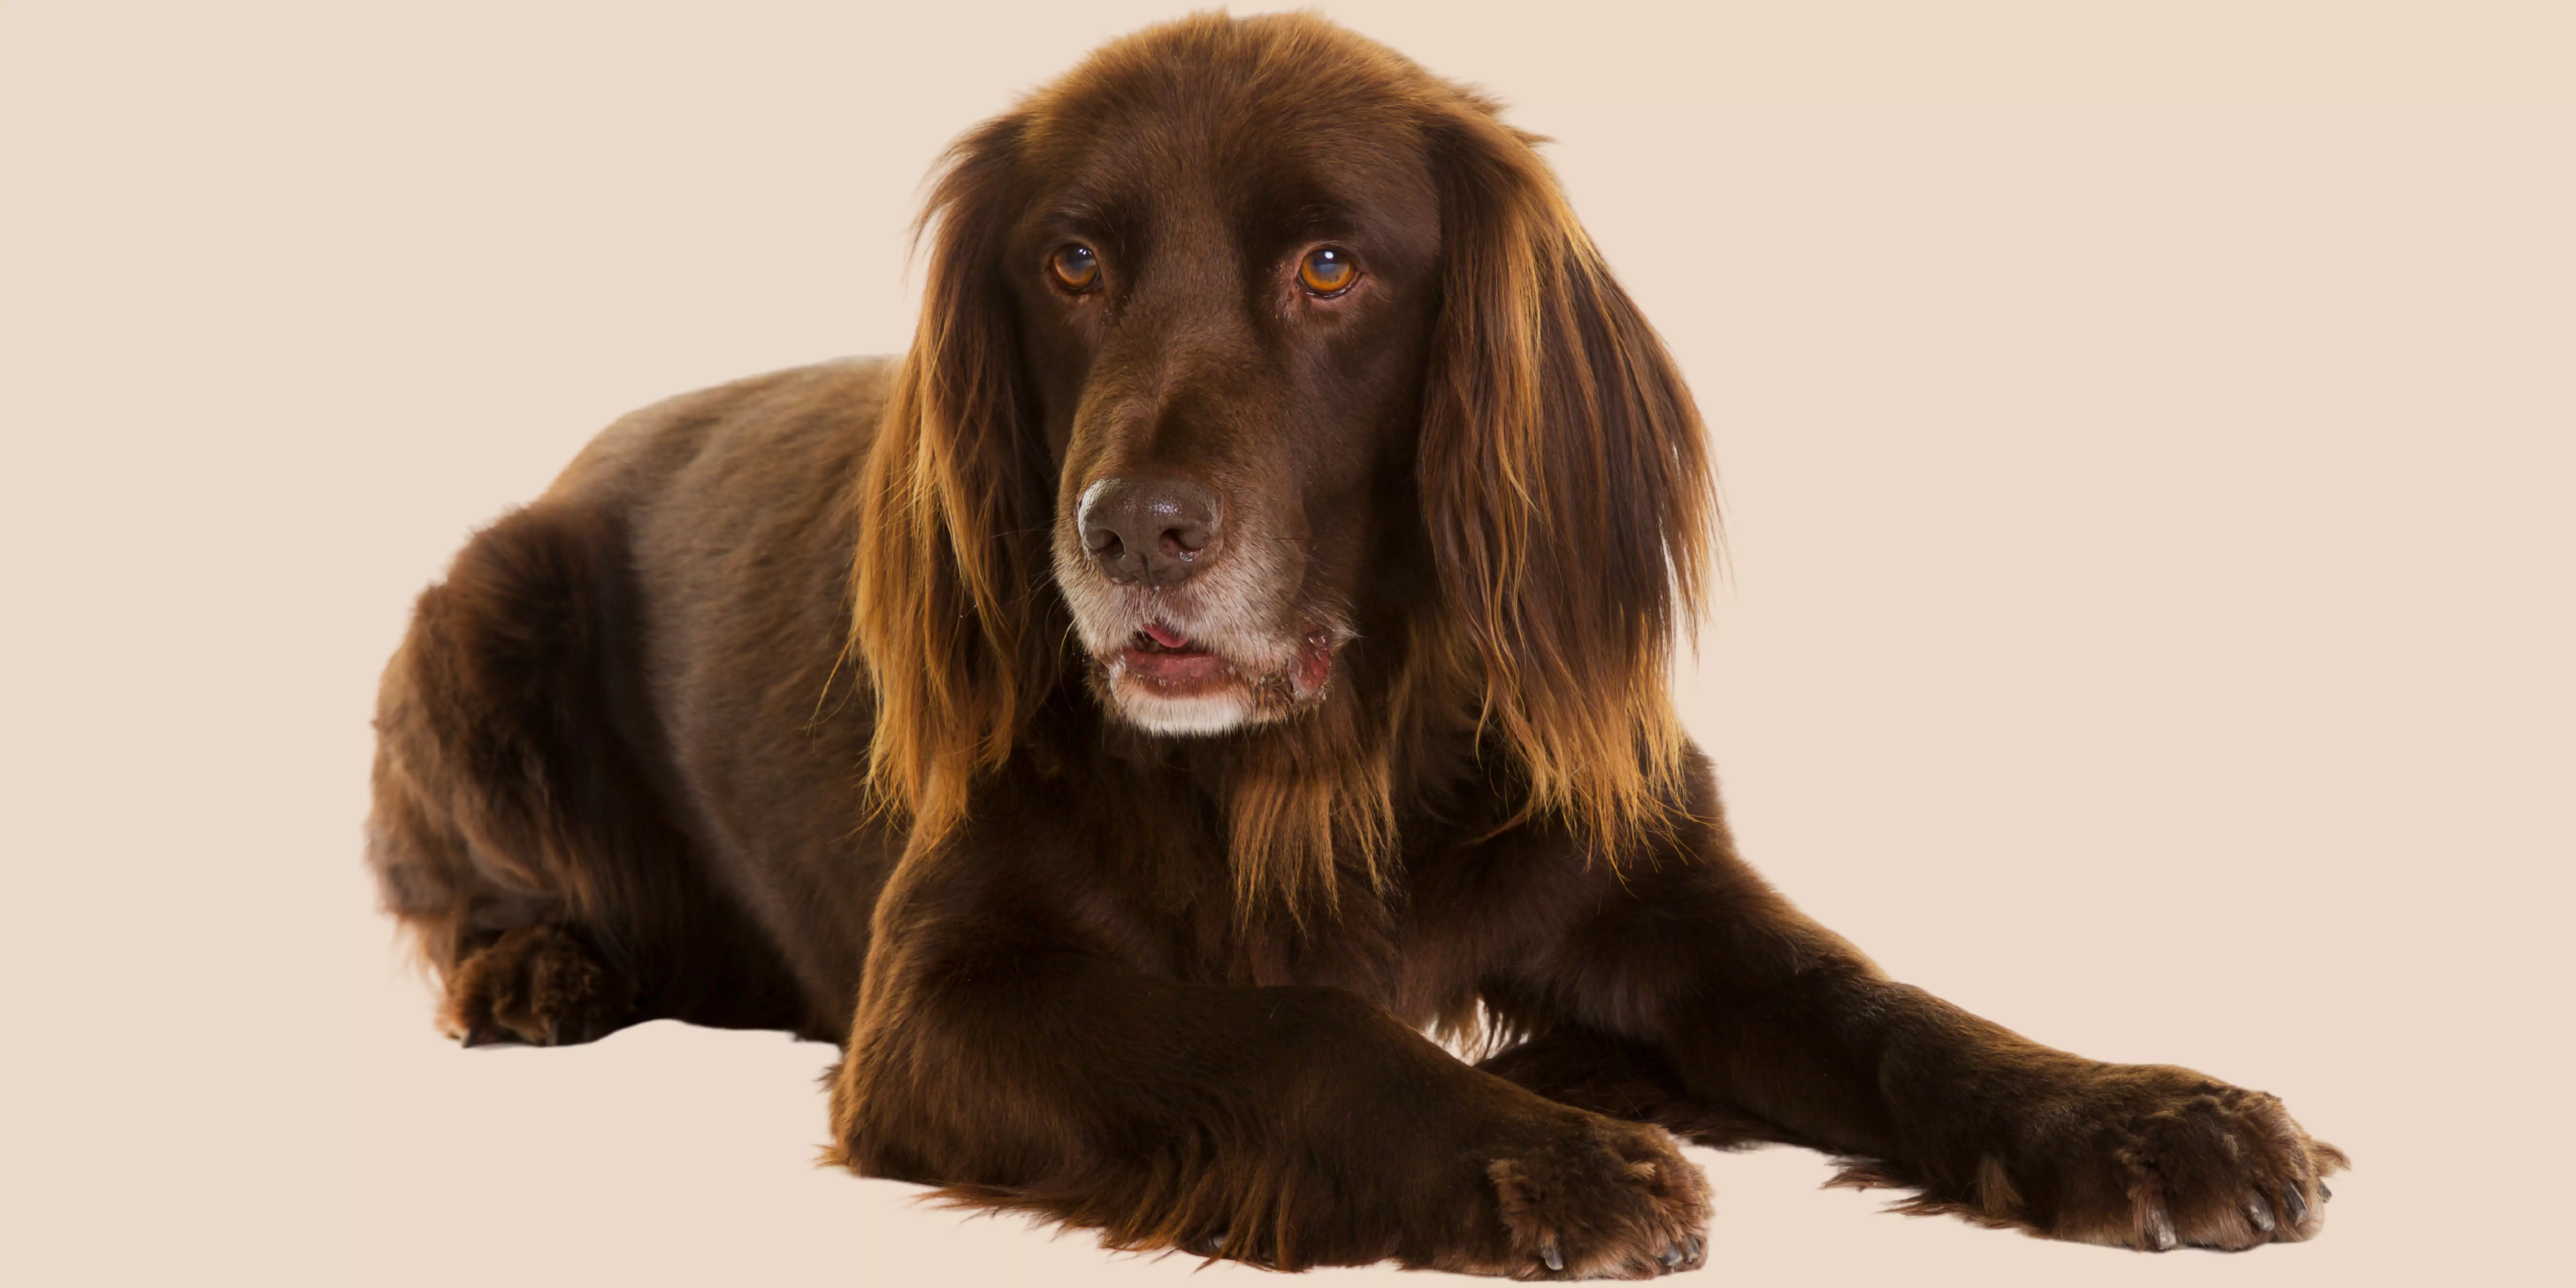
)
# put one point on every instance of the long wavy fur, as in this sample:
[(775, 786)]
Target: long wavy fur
[(1564, 488)]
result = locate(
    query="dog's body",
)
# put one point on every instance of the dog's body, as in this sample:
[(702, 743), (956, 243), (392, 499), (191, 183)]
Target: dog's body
[(1266, 564)]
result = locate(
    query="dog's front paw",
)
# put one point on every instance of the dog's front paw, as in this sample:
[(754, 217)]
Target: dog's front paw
[(2146, 1156), (2155, 1157), (1593, 1198)]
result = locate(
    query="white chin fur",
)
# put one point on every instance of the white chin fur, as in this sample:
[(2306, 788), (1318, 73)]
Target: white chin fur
[(1184, 717)]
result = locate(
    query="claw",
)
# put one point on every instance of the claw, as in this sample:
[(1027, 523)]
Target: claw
[(1672, 1257), (2297, 1205), (2325, 1191), (2160, 1231), (1551, 1258), (2260, 1213), (1696, 1247)]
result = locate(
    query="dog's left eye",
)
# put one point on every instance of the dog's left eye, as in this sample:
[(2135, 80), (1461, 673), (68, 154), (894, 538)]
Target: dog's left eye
[(1327, 270), (1077, 267)]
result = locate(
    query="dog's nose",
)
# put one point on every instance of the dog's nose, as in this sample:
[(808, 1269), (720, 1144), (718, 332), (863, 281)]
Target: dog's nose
[(1144, 529)]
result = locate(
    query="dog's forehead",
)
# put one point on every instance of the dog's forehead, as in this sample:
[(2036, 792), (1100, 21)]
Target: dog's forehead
[(1259, 187), (1335, 146)]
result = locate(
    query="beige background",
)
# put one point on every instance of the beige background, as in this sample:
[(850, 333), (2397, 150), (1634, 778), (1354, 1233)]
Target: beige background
[(2147, 433)]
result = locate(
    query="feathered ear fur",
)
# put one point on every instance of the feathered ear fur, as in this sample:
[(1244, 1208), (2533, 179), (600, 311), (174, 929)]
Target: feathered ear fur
[(947, 590), (1566, 489)]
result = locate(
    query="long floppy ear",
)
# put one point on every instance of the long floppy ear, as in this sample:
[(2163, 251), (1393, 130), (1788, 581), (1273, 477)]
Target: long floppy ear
[(949, 612), (1566, 487)]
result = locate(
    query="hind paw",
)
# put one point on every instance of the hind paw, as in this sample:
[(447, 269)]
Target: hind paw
[(538, 985)]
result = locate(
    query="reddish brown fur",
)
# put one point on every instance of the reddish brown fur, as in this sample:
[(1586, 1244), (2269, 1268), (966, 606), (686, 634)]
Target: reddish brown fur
[(660, 747)]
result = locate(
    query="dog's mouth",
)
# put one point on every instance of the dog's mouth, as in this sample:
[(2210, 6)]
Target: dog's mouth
[(1159, 655), (1169, 680)]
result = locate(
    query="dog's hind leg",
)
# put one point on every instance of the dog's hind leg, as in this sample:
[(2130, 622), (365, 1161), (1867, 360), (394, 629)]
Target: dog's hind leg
[(525, 830), (518, 833), (514, 964), (496, 759)]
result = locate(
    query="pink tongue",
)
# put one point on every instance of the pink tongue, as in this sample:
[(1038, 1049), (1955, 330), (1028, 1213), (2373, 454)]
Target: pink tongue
[(1165, 635)]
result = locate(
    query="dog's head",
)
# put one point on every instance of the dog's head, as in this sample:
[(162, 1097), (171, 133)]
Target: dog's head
[(1244, 341)]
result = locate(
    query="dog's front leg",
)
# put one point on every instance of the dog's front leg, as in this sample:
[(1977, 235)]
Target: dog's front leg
[(1685, 991), (1000, 1057)]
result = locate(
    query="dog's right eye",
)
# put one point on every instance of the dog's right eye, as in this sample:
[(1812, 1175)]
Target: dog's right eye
[(1077, 267)]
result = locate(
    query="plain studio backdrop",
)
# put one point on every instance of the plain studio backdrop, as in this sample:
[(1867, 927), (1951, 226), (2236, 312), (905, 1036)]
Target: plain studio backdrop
[(2146, 438)]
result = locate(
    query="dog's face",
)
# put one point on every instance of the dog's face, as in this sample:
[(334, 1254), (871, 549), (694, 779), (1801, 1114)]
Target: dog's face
[(1226, 289), (1252, 336)]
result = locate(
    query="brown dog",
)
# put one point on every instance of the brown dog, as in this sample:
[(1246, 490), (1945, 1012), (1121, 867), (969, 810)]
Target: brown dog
[(1266, 565)]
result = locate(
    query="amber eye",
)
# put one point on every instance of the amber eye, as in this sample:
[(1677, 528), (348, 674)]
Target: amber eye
[(1077, 267), (1327, 270)]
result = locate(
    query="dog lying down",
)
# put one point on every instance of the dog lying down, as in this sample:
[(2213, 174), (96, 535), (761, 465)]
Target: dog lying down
[(1229, 645)]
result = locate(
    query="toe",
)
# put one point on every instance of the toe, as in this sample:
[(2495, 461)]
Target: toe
[(488, 1032), (2160, 1230), (2260, 1213)]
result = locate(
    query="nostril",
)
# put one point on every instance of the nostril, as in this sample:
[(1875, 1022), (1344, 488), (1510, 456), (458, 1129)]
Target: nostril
[(1152, 529)]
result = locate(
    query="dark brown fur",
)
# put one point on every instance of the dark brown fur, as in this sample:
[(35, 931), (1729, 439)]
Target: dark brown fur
[(660, 747)]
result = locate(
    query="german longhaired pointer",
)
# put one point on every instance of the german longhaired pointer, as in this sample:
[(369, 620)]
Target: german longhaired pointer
[(1229, 647)]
